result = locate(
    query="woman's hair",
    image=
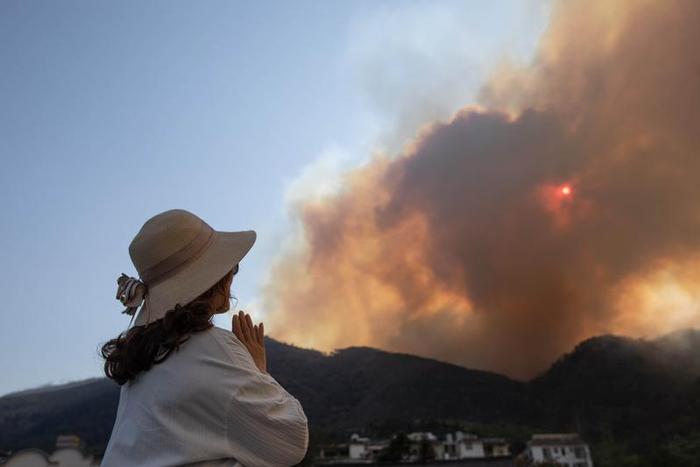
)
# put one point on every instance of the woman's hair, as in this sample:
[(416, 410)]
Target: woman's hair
[(140, 347)]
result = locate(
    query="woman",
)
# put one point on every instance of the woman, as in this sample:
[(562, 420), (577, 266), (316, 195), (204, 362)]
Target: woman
[(193, 393)]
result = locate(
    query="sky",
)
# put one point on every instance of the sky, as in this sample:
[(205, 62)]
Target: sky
[(114, 112)]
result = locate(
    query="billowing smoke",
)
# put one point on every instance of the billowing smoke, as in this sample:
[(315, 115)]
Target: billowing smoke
[(566, 204)]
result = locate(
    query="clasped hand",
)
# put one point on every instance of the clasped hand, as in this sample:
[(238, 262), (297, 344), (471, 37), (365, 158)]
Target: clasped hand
[(252, 336)]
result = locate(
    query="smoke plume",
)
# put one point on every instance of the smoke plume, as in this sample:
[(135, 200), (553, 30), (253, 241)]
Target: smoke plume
[(565, 205)]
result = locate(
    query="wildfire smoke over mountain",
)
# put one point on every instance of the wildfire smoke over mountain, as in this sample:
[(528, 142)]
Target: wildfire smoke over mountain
[(566, 205)]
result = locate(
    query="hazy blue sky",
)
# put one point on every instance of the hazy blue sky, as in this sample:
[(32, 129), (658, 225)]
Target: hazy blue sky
[(111, 112)]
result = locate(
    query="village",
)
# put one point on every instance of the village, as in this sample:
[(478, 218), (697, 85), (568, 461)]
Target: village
[(417, 448), (565, 449)]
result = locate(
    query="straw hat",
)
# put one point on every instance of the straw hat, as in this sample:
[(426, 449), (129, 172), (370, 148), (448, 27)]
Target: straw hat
[(178, 257)]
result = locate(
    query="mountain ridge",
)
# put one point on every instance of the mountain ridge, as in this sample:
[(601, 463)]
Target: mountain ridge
[(606, 387)]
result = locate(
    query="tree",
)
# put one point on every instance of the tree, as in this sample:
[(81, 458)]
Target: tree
[(427, 452), (398, 447)]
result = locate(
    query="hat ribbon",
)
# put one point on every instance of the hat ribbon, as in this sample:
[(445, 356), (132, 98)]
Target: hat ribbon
[(130, 292)]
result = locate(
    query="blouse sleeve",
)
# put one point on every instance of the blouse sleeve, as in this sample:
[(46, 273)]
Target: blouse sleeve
[(266, 426)]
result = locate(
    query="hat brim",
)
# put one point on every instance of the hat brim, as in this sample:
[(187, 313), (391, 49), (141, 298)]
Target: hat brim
[(223, 253)]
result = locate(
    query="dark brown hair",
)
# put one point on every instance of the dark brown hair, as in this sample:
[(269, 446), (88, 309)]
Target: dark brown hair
[(139, 348)]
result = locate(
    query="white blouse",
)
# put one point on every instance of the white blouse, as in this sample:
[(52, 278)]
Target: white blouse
[(207, 404)]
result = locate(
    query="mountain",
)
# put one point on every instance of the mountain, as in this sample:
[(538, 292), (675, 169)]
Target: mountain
[(623, 394), (352, 386), (340, 392), (628, 395), (34, 418)]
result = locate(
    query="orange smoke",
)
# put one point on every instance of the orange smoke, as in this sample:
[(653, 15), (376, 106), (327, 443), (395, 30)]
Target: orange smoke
[(501, 238)]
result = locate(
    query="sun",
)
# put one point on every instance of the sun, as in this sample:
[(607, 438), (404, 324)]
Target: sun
[(566, 190)]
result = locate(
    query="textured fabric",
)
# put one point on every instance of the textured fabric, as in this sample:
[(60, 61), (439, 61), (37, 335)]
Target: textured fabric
[(207, 405)]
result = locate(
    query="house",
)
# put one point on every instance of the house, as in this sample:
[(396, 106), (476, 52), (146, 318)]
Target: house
[(364, 448), (496, 447), (468, 446), (567, 449), (461, 445), (68, 452), (358, 447)]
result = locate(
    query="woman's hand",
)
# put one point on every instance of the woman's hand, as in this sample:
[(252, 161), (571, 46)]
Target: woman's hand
[(252, 338)]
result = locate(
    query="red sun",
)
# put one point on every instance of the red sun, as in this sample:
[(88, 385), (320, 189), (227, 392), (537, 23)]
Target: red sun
[(566, 190)]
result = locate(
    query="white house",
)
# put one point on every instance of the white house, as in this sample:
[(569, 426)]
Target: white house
[(357, 447), (567, 449), (469, 446), (68, 453), (461, 445), (361, 448)]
